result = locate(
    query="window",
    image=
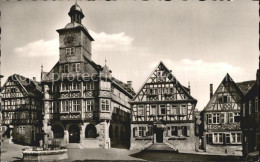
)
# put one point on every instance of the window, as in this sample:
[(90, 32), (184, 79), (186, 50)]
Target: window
[(105, 104), (140, 110), (225, 99), (236, 138), (55, 106), (162, 109), (64, 68), (64, 87), (227, 138), (21, 129), (222, 117), (184, 130), (174, 131), (218, 138), (75, 105), (65, 106), (89, 85), (77, 67), (150, 131), (250, 108), (183, 110), (153, 110), (236, 117), (173, 110), (209, 118), (142, 131), (105, 85), (216, 118), (70, 51), (89, 105), (75, 86), (256, 104), (230, 117), (209, 138)]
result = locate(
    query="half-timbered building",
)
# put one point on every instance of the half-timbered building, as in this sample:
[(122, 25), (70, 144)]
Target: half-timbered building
[(21, 109), (83, 102), (221, 117), (250, 122), (163, 112)]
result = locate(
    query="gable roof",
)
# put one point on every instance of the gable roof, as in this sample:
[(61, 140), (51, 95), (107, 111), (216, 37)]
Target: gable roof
[(184, 89), (226, 79), (246, 86), (31, 87), (124, 86)]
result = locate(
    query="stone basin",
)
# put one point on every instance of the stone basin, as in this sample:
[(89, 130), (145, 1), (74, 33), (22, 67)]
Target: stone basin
[(45, 155)]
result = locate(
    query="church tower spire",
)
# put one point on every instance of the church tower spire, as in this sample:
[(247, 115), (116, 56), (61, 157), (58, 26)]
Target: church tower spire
[(76, 14)]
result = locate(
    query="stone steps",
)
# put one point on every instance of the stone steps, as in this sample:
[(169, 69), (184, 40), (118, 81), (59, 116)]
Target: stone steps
[(74, 146)]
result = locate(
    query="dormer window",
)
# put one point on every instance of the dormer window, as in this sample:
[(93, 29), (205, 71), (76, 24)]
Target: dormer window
[(70, 51)]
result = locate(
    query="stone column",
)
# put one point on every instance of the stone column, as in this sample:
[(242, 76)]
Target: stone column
[(66, 136)]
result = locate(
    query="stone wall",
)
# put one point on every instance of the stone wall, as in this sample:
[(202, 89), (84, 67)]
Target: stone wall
[(224, 150)]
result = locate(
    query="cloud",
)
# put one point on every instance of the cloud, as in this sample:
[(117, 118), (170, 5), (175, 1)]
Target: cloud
[(39, 48), (116, 42), (202, 69), (111, 42)]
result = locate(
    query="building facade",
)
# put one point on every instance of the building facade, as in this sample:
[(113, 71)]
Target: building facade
[(21, 109), (250, 123), (83, 102), (222, 133), (163, 112)]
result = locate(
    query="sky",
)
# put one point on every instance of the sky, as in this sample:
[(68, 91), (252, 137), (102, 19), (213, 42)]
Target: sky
[(199, 41)]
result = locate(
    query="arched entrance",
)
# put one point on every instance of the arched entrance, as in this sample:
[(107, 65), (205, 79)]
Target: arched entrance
[(74, 134), (58, 131), (90, 131)]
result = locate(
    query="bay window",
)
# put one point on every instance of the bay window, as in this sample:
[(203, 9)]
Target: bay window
[(105, 85), (65, 106), (105, 104), (89, 105), (75, 105)]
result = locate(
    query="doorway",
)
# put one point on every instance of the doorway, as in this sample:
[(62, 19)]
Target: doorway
[(159, 135), (74, 134)]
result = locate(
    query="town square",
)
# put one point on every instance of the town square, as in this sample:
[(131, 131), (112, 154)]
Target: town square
[(130, 81)]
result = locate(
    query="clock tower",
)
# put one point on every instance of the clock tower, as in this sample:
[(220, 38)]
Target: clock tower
[(74, 42)]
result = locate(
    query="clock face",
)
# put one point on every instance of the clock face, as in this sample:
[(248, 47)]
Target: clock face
[(69, 39)]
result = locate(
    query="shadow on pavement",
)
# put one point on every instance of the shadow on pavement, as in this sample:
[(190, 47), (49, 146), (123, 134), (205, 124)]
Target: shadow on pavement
[(174, 156)]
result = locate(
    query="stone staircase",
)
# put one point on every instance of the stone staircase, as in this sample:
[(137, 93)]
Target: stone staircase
[(74, 146), (160, 147)]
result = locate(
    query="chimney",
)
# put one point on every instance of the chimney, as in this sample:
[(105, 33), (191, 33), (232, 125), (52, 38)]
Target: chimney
[(211, 90), (189, 86), (34, 78), (129, 84)]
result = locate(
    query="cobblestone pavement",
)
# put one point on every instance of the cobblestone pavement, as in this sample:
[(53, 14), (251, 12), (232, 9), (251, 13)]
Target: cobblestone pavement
[(13, 152)]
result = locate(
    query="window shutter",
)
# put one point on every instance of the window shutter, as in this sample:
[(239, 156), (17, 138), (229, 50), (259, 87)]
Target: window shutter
[(135, 133), (188, 130), (222, 118)]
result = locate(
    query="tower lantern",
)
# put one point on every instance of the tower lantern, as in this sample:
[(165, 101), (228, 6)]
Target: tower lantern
[(76, 13)]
